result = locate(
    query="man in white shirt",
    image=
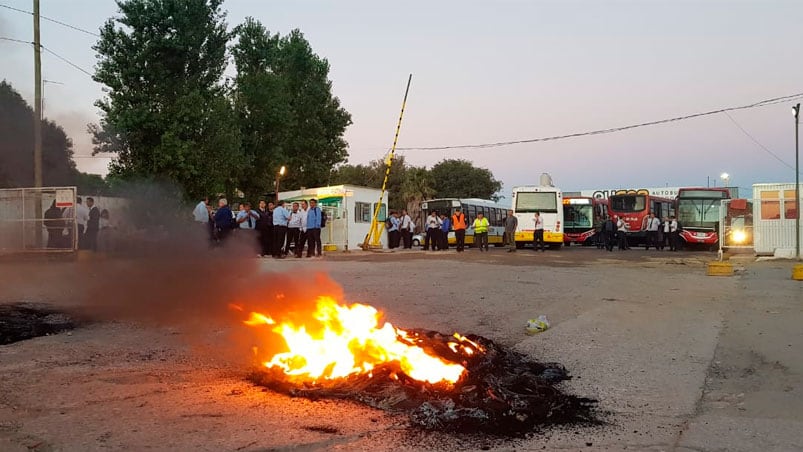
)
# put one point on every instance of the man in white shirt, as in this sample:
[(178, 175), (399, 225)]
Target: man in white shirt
[(406, 230), (433, 231), (538, 233), (81, 217), (652, 231), (302, 236), (621, 233), (201, 213), (294, 231), (247, 218), (673, 234)]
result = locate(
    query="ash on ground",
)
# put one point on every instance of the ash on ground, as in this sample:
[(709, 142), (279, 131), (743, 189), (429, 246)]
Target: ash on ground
[(506, 393), (20, 321)]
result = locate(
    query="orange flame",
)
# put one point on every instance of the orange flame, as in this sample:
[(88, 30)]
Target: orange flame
[(348, 340)]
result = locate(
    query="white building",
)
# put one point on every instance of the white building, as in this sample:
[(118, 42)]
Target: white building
[(774, 214), (349, 210)]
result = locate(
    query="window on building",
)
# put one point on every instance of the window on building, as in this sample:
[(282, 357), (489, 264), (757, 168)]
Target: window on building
[(362, 212), (789, 205), (770, 205), (383, 212)]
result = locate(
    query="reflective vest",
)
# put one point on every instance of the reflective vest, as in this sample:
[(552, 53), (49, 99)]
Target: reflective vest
[(458, 221), (481, 226)]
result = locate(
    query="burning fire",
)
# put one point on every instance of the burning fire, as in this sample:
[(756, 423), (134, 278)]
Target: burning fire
[(339, 340)]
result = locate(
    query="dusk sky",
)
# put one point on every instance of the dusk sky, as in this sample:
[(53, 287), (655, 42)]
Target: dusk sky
[(508, 70)]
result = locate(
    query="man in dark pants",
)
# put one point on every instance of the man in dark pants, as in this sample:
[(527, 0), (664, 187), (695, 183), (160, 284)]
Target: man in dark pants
[(406, 229), (538, 233), (280, 219), (265, 227), (652, 225), (92, 225), (608, 233), (314, 216), (433, 231), (459, 226)]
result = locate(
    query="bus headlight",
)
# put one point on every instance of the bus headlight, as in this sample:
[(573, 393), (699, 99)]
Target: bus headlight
[(739, 236)]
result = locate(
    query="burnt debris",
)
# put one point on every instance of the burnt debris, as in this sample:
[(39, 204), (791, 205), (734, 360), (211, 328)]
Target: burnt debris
[(21, 321), (505, 393)]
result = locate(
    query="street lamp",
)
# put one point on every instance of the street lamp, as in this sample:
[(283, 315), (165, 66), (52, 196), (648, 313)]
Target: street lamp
[(725, 178), (279, 175), (796, 111)]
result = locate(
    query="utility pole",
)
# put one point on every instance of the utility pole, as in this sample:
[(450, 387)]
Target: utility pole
[(796, 110), (37, 83)]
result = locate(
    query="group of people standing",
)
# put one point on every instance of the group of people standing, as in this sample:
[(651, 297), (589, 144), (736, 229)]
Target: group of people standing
[(438, 226), (660, 233), (277, 228), (400, 229), (89, 222)]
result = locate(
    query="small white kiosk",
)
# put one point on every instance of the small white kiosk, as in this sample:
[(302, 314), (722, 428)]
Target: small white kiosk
[(349, 211), (774, 214)]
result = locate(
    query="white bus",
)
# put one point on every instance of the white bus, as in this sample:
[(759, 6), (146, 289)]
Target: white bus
[(493, 211), (548, 201)]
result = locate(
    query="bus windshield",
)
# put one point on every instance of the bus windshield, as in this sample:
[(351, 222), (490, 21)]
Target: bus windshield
[(578, 216), (628, 203), (536, 202), (699, 213)]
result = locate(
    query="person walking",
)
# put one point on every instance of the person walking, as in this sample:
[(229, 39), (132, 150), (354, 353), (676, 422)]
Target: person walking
[(281, 217), (621, 234), (511, 223), (652, 231), (459, 226), (446, 225), (406, 229), (538, 232), (314, 217), (293, 231), (433, 231), (481, 231)]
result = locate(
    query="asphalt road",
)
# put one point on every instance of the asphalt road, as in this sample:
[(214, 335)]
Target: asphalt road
[(678, 360)]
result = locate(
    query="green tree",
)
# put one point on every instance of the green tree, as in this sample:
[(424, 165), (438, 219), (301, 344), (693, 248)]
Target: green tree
[(458, 178), (16, 145), (285, 108), (373, 174), (417, 187), (165, 113)]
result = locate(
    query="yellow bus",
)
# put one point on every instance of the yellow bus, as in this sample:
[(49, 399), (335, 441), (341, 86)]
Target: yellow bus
[(548, 201), (494, 212)]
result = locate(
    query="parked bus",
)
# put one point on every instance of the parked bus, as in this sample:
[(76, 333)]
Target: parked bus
[(634, 208), (548, 201), (494, 212), (583, 216), (698, 214)]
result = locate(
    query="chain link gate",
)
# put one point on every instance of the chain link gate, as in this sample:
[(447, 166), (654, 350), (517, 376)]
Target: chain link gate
[(38, 220)]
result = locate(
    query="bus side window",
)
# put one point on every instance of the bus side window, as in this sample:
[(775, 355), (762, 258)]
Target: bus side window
[(471, 213)]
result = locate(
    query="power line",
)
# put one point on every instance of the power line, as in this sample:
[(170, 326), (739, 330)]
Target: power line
[(757, 142), (66, 60), (762, 103), (2, 38), (52, 20)]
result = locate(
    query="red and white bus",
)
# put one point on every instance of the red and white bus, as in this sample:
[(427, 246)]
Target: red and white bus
[(635, 207), (582, 218), (698, 214)]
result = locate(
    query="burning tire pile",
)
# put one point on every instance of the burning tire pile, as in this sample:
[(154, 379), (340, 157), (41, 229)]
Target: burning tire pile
[(501, 392)]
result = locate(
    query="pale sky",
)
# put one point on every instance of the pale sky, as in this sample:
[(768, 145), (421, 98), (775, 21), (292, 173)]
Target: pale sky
[(505, 70)]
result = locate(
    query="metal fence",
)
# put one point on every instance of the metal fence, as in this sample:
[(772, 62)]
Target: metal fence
[(38, 220)]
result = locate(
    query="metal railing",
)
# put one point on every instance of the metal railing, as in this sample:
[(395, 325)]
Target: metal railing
[(38, 220)]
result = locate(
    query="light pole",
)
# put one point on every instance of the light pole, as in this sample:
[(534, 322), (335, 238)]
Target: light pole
[(279, 175), (796, 110), (725, 179)]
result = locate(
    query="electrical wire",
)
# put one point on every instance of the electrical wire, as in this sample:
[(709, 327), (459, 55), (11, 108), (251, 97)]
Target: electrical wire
[(52, 20), (757, 142), (2, 38), (762, 103), (66, 60)]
